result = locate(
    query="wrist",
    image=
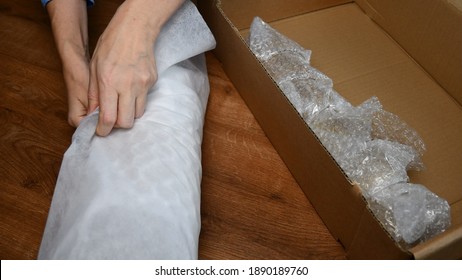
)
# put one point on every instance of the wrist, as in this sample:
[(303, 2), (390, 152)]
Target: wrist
[(75, 68), (149, 15), (69, 25), (73, 54)]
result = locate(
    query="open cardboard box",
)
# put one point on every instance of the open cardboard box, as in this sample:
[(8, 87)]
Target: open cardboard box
[(408, 53)]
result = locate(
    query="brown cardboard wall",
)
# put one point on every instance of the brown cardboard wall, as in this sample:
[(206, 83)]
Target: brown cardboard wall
[(241, 12), (430, 31)]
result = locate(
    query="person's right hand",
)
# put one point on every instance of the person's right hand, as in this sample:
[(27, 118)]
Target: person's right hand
[(77, 79), (69, 22)]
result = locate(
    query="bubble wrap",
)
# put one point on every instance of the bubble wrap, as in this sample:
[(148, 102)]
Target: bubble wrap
[(265, 42), (309, 90), (411, 212), (380, 164), (388, 126), (345, 131), (375, 148)]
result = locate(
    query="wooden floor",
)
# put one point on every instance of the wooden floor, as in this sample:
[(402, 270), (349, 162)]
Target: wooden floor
[(251, 206)]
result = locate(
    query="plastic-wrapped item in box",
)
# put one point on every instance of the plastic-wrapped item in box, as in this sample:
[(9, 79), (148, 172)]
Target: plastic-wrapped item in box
[(375, 148)]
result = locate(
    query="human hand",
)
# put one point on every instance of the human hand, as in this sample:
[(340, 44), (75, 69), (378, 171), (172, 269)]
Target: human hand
[(69, 24), (122, 70), (77, 79), (123, 67)]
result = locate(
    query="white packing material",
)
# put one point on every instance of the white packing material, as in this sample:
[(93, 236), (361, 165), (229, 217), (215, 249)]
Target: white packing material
[(135, 194)]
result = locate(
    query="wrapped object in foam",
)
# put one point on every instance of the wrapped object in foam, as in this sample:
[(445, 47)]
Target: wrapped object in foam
[(135, 194)]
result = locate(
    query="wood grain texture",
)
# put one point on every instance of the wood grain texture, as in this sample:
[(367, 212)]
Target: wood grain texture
[(251, 206)]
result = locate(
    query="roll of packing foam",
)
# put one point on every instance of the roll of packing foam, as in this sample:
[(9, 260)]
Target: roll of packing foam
[(135, 194)]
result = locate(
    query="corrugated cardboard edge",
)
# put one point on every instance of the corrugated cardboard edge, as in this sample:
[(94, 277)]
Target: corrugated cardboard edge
[(349, 220), (445, 246), (373, 242)]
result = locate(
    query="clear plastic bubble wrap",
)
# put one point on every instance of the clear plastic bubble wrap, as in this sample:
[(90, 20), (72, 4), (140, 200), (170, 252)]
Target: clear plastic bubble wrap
[(375, 148), (410, 212)]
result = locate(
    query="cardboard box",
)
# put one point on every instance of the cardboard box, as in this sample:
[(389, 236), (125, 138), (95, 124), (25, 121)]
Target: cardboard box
[(405, 52)]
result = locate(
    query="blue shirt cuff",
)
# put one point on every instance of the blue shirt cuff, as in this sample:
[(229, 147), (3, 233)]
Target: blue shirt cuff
[(89, 2)]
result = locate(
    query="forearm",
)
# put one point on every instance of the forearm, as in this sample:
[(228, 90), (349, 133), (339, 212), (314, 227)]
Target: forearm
[(147, 16), (70, 30)]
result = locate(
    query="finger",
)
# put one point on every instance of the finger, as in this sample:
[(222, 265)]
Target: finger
[(140, 105), (108, 99), (126, 111), (76, 114), (93, 96), (75, 121)]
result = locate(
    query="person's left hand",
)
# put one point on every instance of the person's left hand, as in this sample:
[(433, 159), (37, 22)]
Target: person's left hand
[(123, 68)]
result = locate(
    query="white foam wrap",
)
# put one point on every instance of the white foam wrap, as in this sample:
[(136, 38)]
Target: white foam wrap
[(135, 194)]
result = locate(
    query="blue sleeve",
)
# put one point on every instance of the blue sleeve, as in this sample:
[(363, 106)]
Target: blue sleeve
[(89, 2)]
